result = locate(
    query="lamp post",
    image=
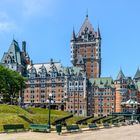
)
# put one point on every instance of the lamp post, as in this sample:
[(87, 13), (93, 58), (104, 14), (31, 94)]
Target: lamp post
[(65, 99), (112, 112), (133, 112), (112, 109), (49, 114), (19, 101)]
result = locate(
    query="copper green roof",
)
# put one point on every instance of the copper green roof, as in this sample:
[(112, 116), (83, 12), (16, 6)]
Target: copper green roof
[(102, 82), (137, 75), (14, 53)]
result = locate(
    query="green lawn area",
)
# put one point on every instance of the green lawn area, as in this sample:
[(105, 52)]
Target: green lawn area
[(10, 114)]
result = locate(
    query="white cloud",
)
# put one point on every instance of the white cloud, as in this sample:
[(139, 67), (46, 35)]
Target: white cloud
[(15, 14), (6, 24)]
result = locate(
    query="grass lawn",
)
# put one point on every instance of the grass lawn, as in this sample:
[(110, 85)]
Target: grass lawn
[(10, 114)]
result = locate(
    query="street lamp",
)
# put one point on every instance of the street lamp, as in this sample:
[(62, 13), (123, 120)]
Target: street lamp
[(112, 112), (19, 101), (112, 109), (49, 114)]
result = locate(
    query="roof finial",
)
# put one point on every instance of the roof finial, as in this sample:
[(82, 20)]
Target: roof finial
[(87, 13), (13, 37)]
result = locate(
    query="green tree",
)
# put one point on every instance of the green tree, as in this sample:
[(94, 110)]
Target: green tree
[(11, 84)]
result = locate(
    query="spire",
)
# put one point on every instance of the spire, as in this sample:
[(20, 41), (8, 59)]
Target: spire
[(73, 35), (98, 32), (87, 26), (137, 75), (120, 75), (87, 13)]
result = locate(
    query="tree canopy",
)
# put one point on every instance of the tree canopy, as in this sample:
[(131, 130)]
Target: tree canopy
[(11, 85)]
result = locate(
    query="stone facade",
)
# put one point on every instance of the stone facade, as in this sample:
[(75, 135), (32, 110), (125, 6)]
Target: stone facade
[(67, 85), (101, 96), (76, 93), (125, 89)]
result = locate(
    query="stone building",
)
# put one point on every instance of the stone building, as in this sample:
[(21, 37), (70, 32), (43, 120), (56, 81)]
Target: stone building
[(125, 89), (67, 85), (136, 80), (15, 58), (86, 49), (76, 89), (79, 89), (101, 96), (43, 79)]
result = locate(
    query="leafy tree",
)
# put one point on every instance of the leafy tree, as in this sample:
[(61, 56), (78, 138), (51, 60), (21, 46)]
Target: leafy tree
[(11, 85)]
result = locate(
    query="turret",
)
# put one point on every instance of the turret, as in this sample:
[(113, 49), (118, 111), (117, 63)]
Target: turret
[(120, 75), (73, 36), (98, 33)]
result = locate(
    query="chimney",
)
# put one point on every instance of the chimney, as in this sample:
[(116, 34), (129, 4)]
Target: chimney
[(24, 46)]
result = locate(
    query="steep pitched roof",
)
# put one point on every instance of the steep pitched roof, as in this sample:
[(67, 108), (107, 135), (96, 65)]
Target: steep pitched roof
[(137, 75), (13, 54), (14, 46), (86, 25), (120, 75), (47, 66)]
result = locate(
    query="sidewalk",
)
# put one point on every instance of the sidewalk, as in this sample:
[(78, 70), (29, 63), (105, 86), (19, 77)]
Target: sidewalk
[(116, 133)]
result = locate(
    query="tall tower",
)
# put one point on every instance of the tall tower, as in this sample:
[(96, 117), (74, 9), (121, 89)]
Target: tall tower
[(86, 49)]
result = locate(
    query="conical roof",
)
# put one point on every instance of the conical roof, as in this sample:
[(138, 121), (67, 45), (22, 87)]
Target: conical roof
[(137, 75), (120, 75), (73, 35)]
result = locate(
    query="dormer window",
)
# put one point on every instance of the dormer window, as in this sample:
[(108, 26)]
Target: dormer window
[(54, 74), (32, 75)]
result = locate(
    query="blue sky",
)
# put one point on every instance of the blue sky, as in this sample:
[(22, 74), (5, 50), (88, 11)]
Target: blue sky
[(47, 26)]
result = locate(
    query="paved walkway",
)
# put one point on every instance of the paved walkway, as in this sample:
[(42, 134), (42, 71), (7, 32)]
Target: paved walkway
[(118, 133)]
